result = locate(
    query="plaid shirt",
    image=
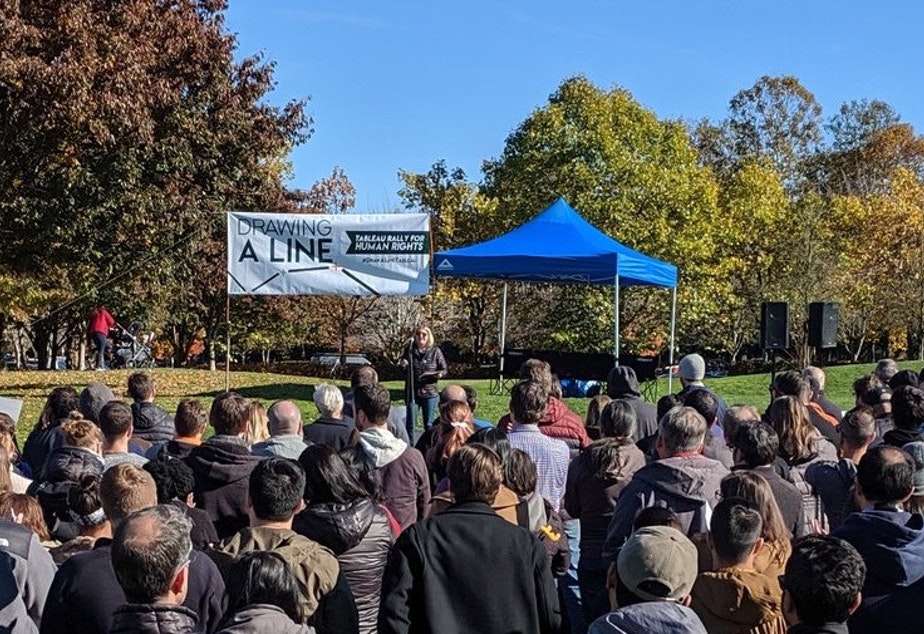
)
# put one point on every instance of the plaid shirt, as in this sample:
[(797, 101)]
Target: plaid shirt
[(551, 457)]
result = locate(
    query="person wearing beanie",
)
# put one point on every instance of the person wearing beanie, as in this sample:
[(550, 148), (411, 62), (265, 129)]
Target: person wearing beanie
[(92, 400), (655, 574), (692, 371)]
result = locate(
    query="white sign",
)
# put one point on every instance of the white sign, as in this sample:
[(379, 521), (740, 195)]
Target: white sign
[(314, 254), (11, 406)]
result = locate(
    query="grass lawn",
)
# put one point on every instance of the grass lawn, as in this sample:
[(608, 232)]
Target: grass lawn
[(173, 385)]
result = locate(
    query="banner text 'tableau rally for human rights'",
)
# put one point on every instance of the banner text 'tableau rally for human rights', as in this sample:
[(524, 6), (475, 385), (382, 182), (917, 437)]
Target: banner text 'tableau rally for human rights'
[(314, 254)]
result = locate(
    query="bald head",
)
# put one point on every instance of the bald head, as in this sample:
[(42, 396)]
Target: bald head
[(816, 376), (452, 393), (285, 419)]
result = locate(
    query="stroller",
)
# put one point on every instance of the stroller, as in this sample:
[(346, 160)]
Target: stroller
[(133, 347)]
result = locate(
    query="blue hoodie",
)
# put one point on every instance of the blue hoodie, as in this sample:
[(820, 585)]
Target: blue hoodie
[(892, 545), (662, 617)]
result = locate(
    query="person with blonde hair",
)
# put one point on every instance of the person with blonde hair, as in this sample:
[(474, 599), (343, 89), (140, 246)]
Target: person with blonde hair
[(258, 425), (9, 479), (453, 429), (425, 365), (18, 480)]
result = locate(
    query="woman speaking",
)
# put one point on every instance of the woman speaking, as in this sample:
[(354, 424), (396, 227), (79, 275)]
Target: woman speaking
[(425, 366)]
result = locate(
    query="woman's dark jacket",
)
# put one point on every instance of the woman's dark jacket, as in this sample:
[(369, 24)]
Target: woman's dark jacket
[(427, 362), (360, 536)]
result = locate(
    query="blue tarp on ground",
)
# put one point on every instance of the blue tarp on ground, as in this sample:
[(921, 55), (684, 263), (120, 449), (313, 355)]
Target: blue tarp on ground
[(560, 247)]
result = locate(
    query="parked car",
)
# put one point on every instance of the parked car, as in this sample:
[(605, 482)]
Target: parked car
[(332, 359), (716, 368)]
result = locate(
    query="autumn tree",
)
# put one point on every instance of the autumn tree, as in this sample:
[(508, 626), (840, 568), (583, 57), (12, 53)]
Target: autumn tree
[(127, 130)]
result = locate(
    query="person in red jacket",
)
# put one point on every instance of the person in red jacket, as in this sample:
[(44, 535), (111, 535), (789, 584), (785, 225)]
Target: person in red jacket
[(559, 422), (101, 320)]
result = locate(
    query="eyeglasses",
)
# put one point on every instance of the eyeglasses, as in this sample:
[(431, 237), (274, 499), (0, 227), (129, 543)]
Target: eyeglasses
[(187, 559)]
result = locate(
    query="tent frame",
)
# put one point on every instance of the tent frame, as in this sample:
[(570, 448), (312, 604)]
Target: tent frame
[(571, 250), (498, 387)]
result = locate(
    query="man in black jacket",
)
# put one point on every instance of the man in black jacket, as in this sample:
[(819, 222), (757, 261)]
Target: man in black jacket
[(85, 591), (622, 385), (439, 565), (756, 449), (222, 465), (152, 423)]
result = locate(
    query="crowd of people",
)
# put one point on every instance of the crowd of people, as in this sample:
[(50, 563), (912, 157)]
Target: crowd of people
[(686, 516)]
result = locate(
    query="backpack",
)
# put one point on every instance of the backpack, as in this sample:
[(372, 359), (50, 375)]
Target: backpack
[(813, 509)]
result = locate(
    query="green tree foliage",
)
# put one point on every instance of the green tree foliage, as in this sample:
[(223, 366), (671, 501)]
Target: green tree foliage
[(779, 119), (635, 177), (460, 214)]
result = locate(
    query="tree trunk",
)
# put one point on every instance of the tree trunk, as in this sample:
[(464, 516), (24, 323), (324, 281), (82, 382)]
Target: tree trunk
[(210, 351)]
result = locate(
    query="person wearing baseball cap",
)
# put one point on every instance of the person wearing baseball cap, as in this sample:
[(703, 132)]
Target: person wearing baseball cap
[(656, 569)]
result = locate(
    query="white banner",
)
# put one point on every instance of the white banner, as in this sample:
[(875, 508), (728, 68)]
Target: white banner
[(314, 254)]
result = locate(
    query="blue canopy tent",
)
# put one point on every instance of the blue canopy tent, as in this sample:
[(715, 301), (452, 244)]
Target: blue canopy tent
[(559, 246)]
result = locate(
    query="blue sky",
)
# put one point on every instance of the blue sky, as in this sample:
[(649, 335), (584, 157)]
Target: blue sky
[(398, 84)]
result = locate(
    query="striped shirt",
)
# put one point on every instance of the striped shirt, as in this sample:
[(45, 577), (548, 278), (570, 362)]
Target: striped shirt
[(551, 457)]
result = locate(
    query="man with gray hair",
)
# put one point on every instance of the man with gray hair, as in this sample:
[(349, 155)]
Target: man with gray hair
[(885, 370), (330, 428), (816, 378), (285, 428), (150, 556), (681, 479), (85, 591)]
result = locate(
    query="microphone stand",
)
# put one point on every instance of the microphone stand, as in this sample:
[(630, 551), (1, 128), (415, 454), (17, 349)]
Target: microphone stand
[(409, 392)]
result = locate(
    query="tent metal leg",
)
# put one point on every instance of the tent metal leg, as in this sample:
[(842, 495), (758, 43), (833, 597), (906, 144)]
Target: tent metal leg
[(616, 320), (670, 353), (502, 339)]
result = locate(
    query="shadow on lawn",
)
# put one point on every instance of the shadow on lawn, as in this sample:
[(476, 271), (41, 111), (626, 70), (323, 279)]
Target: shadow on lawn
[(287, 391), (272, 392)]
